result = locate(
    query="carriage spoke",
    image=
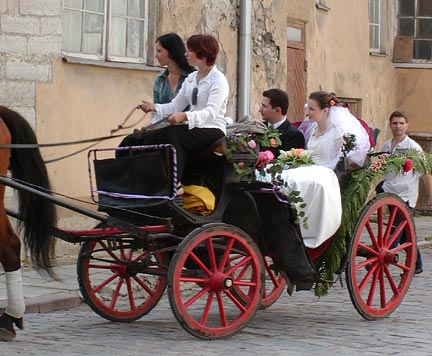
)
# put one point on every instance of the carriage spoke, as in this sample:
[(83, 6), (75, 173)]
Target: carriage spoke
[(367, 277), (104, 283), (207, 308), (221, 309), (235, 301), (116, 293), (391, 281), (380, 226), (389, 227), (130, 294), (200, 263), (245, 260), (368, 249), (242, 272), (382, 288), (373, 286), (106, 248), (143, 285), (245, 284), (122, 252), (404, 246), (372, 236), (99, 266), (194, 279), (226, 254), (402, 267), (397, 232), (271, 274), (196, 297), (370, 261), (211, 255)]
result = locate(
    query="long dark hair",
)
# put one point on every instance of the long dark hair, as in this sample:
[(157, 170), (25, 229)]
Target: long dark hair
[(176, 49), (38, 214)]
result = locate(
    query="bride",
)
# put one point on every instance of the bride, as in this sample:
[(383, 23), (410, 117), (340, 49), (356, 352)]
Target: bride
[(326, 125)]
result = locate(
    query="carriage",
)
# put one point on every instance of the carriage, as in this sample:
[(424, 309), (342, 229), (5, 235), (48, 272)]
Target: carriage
[(217, 268)]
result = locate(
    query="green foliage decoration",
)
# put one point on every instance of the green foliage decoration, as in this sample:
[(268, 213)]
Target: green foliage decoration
[(362, 182)]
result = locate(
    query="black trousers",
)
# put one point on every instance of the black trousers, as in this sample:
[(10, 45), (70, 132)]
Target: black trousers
[(183, 139)]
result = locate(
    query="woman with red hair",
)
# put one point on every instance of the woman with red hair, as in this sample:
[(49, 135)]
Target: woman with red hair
[(206, 92)]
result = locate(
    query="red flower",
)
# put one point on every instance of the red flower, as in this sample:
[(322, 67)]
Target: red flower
[(407, 166), (241, 165)]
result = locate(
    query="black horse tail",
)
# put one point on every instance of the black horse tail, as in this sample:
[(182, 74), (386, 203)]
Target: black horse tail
[(38, 214)]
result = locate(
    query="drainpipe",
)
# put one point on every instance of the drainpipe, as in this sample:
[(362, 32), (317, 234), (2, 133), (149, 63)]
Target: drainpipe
[(244, 58)]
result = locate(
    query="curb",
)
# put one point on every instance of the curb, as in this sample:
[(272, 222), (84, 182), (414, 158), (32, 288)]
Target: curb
[(48, 303)]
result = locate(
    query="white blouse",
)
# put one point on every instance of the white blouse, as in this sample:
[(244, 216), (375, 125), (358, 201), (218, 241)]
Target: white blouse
[(210, 108)]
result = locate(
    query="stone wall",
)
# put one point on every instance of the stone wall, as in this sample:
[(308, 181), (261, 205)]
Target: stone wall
[(30, 36)]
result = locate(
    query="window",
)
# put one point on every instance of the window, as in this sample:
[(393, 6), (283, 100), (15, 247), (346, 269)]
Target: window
[(377, 26), (110, 30), (415, 22)]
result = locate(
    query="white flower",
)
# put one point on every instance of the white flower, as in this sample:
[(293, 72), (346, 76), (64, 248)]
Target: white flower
[(306, 153)]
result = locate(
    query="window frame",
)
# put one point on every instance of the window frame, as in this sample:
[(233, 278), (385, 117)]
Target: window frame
[(150, 20), (414, 37), (382, 28)]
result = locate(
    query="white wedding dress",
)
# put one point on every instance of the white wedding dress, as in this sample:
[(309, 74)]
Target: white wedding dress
[(318, 187)]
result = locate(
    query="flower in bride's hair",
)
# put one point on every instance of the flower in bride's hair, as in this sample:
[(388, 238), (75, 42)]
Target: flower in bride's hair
[(332, 102)]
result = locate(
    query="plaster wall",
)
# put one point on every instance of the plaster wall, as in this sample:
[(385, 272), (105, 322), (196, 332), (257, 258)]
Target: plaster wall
[(413, 96)]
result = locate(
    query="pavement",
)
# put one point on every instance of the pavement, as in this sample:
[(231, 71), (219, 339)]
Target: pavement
[(43, 294)]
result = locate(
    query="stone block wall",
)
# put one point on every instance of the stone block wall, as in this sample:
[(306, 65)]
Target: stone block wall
[(30, 37)]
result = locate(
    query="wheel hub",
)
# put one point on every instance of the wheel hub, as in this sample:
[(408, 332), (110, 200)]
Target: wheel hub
[(386, 257), (220, 281)]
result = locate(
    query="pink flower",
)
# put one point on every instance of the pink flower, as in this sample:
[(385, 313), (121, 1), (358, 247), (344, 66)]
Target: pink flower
[(264, 158), (241, 165), (252, 144), (272, 142), (407, 166)]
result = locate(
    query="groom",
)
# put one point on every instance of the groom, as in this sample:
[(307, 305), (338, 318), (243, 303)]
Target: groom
[(273, 109), (282, 238)]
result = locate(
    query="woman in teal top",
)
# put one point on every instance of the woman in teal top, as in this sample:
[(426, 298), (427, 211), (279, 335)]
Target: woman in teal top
[(170, 53)]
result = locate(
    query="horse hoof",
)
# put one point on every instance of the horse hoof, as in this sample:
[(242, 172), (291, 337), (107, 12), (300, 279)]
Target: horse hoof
[(7, 331), (6, 335)]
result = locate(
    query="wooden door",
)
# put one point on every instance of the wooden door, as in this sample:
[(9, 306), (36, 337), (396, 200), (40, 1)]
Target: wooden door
[(296, 71)]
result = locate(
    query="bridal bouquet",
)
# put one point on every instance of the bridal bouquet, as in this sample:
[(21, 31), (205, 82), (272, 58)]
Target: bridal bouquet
[(295, 157)]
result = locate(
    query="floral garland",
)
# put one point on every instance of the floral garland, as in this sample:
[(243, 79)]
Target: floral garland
[(354, 198), (243, 151)]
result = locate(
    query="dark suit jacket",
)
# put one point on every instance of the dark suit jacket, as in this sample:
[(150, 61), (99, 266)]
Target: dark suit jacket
[(291, 137)]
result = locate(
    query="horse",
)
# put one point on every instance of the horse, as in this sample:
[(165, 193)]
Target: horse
[(37, 216)]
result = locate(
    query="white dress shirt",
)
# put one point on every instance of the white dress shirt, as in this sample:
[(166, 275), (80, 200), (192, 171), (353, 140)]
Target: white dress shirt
[(210, 108), (403, 184)]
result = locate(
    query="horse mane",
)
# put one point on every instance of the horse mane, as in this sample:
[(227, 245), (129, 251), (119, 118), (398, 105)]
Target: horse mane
[(38, 214)]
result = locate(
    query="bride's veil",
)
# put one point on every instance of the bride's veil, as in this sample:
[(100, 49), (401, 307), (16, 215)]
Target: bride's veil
[(341, 118)]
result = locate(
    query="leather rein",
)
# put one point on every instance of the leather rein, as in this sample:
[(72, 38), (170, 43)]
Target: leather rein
[(94, 141)]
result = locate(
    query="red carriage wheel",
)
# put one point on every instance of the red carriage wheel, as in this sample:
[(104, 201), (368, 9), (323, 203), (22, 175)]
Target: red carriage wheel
[(112, 285), (380, 270), (274, 285), (201, 279)]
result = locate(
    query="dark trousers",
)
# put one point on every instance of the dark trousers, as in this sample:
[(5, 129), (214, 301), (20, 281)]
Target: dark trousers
[(402, 237), (183, 139)]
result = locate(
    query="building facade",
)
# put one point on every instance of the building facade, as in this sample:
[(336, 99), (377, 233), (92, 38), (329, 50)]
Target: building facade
[(76, 68)]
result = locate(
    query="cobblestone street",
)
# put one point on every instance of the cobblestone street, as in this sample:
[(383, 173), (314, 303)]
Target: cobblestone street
[(301, 324)]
